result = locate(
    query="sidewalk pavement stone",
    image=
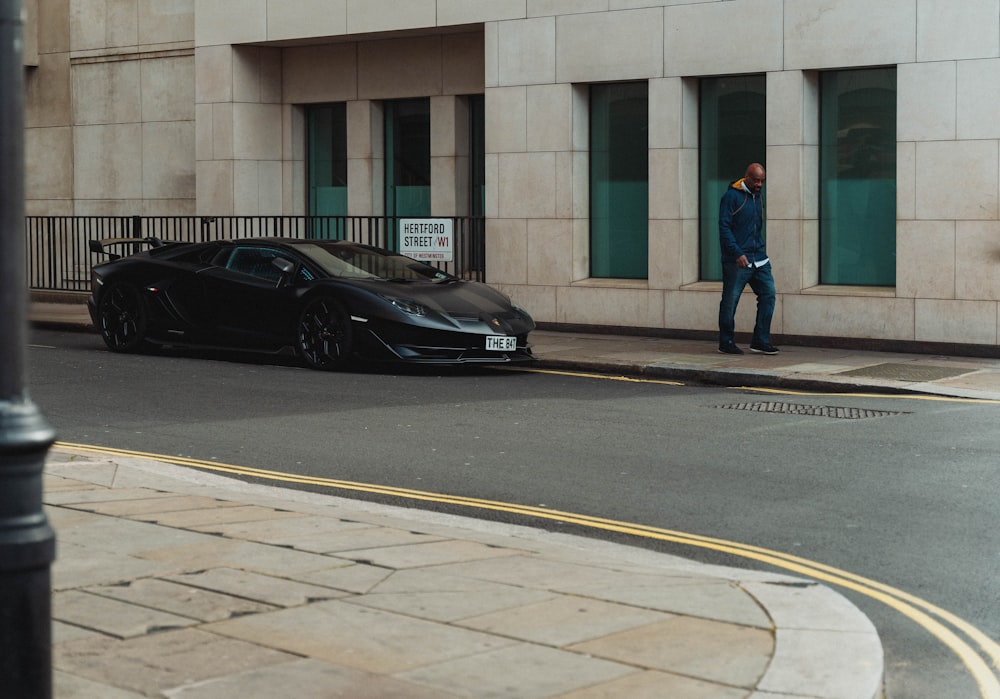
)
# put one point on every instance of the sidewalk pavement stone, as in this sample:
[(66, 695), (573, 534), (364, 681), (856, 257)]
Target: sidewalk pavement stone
[(307, 679), (180, 599), (268, 589)]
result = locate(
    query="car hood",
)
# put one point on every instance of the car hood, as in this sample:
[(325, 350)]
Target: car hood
[(457, 299)]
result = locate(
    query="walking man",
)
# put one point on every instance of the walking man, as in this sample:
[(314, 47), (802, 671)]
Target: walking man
[(745, 261)]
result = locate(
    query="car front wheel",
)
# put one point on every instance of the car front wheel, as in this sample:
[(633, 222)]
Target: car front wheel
[(324, 334), (122, 317)]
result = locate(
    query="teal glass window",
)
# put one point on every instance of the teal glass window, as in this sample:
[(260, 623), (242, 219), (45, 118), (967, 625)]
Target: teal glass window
[(408, 157), (732, 123), (619, 181), (857, 202), (326, 135)]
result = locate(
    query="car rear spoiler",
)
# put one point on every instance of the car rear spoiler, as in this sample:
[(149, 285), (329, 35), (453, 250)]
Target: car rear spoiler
[(100, 246)]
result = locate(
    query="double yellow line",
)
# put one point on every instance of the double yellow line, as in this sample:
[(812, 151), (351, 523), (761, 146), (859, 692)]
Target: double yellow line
[(932, 618), (756, 389)]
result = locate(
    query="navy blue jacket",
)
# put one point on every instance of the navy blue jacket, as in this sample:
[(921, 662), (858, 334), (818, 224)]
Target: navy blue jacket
[(741, 224)]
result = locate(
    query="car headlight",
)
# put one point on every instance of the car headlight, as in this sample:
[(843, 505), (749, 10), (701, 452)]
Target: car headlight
[(520, 311), (406, 305)]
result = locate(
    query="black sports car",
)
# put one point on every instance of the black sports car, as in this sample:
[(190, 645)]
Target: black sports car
[(326, 301)]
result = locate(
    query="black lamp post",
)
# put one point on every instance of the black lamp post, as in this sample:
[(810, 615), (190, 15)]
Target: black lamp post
[(27, 543)]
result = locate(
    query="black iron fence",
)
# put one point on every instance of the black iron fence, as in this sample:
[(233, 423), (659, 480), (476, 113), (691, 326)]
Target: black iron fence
[(60, 259)]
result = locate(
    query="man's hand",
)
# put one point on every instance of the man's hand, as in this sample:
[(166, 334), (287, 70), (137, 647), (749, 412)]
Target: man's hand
[(742, 262)]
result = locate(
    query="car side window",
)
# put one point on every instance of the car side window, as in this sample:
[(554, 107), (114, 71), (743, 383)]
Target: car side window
[(255, 262), (199, 255)]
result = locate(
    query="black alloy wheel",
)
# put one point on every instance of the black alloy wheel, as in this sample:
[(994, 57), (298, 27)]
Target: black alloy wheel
[(324, 334), (122, 317)]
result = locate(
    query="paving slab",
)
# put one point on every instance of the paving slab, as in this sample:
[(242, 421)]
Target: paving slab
[(82, 566), (211, 518), (94, 498), (112, 617), (564, 620), (429, 553), (907, 371), (359, 578), (352, 540), (722, 600), (803, 658), (307, 679), (358, 637), (61, 633), (149, 664), (82, 469), (266, 589), (708, 650), (183, 600), (808, 606), (430, 594), (123, 536), (155, 504), (249, 555), (651, 684), (520, 671), (305, 532), (69, 686)]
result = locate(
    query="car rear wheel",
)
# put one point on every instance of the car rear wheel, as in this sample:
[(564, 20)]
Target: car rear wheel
[(324, 336), (122, 318)]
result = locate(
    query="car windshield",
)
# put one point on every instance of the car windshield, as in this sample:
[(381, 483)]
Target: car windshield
[(361, 262)]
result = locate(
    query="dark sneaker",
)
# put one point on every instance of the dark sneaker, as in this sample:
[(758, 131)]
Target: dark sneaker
[(764, 349), (730, 349)]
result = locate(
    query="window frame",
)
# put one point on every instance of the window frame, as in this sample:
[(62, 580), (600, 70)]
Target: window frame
[(857, 239), (620, 252), (730, 162)]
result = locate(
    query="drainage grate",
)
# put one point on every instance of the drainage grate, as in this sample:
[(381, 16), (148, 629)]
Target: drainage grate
[(907, 372), (817, 410)]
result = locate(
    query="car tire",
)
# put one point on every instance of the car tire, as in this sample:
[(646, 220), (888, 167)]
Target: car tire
[(122, 318), (324, 334)]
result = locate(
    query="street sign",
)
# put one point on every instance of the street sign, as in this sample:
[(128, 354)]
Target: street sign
[(428, 239)]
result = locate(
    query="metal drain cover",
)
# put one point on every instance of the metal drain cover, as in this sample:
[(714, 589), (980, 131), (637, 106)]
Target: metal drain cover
[(817, 410), (907, 372)]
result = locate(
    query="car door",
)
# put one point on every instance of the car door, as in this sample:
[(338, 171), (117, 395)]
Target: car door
[(247, 304)]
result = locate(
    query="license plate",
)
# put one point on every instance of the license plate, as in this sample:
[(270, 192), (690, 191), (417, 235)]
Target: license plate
[(501, 343)]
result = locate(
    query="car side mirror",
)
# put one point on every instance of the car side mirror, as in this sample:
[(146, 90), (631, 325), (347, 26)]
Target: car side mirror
[(286, 267)]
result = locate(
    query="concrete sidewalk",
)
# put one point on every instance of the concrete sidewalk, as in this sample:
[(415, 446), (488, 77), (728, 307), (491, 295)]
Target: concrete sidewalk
[(795, 368), (171, 582)]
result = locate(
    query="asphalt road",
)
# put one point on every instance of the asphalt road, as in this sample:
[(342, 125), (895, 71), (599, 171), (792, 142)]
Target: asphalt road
[(906, 495)]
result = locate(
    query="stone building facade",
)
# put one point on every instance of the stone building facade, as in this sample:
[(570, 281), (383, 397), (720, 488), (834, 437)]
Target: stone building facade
[(594, 136)]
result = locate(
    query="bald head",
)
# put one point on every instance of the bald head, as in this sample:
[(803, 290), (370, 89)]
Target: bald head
[(754, 177)]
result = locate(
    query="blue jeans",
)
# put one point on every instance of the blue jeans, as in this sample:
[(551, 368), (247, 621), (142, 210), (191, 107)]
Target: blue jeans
[(734, 280)]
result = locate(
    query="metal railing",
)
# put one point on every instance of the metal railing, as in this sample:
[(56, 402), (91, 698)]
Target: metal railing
[(59, 256)]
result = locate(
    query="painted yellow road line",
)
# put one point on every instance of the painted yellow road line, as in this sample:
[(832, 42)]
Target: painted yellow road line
[(927, 615), (757, 389), (586, 375)]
